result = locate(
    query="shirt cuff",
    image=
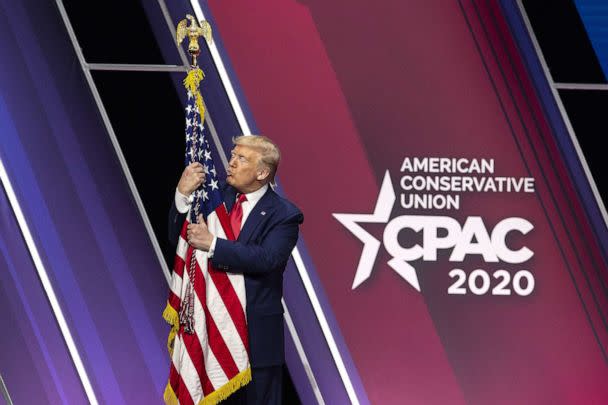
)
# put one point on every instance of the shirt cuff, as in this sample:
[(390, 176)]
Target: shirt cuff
[(182, 202), (212, 247)]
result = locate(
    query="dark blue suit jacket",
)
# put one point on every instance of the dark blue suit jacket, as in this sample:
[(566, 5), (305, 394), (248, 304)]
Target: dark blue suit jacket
[(260, 253)]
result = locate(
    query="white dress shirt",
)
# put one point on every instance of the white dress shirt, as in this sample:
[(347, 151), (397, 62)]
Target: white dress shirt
[(182, 203)]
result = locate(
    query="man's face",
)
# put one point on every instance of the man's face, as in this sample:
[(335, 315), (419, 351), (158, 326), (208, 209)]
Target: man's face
[(243, 169)]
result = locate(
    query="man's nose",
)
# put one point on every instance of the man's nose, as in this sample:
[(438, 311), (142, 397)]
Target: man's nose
[(232, 161)]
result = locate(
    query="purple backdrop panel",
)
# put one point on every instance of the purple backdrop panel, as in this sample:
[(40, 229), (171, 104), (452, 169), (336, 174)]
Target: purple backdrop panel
[(35, 362), (85, 224)]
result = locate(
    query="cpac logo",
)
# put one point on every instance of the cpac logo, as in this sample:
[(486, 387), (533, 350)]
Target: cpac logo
[(471, 239)]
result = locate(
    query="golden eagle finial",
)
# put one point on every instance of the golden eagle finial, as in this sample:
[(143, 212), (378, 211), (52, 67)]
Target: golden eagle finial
[(193, 31)]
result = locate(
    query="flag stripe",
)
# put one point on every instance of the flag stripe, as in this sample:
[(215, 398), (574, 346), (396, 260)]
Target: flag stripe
[(184, 396), (186, 383), (215, 373), (238, 284), (214, 370), (174, 379), (219, 348), (224, 220), (178, 265), (193, 346), (216, 342), (201, 343), (174, 301), (189, 378), (227, 293), (226, 325), (232, 304), (182, 248), (237, 280), (196, 343)]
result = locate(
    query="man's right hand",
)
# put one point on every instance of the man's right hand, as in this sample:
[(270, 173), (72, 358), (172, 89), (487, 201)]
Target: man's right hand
[(192, 177)]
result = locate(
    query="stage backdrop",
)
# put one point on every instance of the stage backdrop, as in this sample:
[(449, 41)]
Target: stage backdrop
[(452, 236), (452, 250)]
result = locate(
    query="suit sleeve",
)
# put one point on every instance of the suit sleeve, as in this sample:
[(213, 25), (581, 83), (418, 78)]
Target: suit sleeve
[(269, 255), (176, 221)]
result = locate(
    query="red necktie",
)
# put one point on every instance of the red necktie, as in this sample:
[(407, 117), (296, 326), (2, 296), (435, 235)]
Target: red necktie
[(236, 215)]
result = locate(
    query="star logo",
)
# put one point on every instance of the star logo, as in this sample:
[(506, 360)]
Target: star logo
[(371, 246)]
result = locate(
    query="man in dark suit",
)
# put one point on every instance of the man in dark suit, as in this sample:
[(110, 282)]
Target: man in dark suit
[(269, 226)]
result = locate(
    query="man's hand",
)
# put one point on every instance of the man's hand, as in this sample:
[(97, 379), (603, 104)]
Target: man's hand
[(192, 177), (199, 236)]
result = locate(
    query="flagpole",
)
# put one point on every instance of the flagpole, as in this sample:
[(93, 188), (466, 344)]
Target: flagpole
[(196, 372)]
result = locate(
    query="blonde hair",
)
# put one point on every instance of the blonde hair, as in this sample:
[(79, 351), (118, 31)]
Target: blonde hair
[(270, 155)]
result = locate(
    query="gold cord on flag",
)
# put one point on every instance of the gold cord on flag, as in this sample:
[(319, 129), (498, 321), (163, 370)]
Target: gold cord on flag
[(192, 82)]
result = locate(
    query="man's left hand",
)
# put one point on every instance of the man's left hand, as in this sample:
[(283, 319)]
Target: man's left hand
[(199, 236)]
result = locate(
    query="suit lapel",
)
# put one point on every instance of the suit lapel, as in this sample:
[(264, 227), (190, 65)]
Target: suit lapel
[(260, 213)]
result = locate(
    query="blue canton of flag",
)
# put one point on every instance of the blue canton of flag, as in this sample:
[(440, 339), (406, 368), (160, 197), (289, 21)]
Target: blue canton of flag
[(208, 197)]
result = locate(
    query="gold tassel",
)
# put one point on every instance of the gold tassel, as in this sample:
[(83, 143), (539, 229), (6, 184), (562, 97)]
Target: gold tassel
[(191, 82), (170, 315)]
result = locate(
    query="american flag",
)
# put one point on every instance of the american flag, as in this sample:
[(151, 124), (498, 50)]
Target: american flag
[(206, 308)]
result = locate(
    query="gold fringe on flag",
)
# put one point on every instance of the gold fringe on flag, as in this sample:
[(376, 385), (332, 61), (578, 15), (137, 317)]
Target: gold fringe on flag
[(238, 381), (170, 397), (172, 317)]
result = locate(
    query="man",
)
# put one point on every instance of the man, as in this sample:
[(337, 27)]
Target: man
[(268, 232)]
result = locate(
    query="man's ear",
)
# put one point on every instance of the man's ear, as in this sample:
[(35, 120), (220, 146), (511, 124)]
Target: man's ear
[(263, 174)]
